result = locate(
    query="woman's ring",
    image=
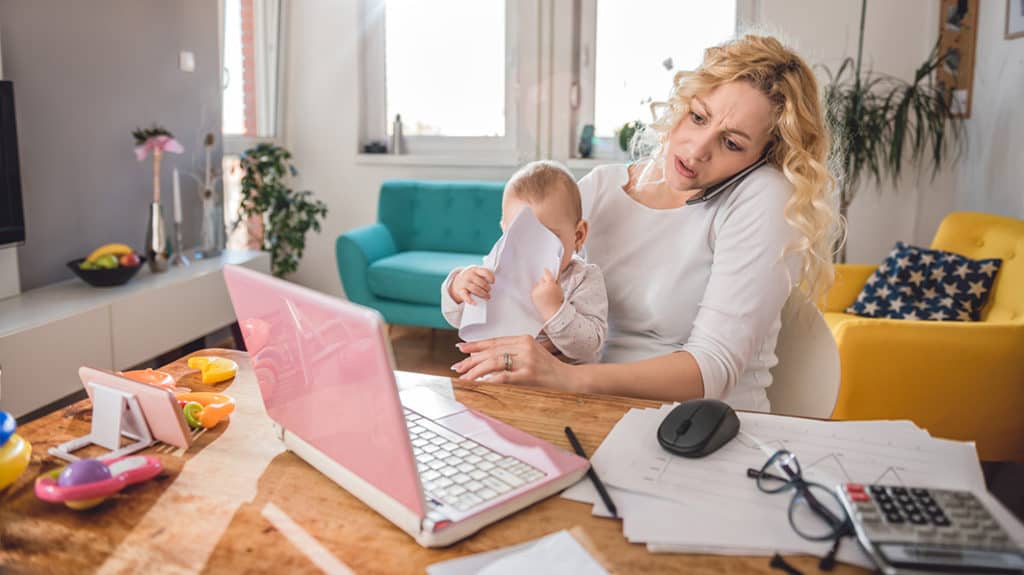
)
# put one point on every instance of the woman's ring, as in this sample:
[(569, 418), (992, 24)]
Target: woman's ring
[(508, 361)]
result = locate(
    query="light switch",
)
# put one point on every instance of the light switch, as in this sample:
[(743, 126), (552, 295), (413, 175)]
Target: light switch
[(187, 61)]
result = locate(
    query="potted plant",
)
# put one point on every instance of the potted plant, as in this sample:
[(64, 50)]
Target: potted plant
[(626, 133), (287, 215), (877, 121)]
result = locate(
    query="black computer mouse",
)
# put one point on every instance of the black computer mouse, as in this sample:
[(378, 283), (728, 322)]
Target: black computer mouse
[(698, 427)]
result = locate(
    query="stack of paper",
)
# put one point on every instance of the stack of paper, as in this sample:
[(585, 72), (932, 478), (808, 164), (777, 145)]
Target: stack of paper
[(709, 505), (554, 554), (518, 259)]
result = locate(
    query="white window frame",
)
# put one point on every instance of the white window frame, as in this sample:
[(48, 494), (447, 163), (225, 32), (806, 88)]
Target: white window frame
[(269, 54), (521, 63), (607, 148)]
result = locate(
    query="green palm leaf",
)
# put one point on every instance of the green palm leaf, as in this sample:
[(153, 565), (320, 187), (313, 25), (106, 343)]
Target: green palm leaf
[(879, 121)]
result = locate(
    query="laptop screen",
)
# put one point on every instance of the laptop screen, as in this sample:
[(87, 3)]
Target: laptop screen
[(325, 373)]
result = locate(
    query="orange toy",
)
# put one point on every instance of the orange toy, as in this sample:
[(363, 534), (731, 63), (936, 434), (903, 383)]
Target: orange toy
[(151, 377), (216, 406)]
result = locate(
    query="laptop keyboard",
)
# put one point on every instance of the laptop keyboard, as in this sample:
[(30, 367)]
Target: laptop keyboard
[(459, 471)]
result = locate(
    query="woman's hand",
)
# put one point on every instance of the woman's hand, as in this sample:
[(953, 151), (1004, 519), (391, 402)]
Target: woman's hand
[(531, 364), (474, 280)]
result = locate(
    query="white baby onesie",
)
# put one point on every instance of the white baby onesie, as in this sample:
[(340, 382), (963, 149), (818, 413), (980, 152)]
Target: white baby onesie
[(579, 327)]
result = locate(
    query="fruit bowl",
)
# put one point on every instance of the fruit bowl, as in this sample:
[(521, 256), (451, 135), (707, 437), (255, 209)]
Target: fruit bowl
[(105, 277)]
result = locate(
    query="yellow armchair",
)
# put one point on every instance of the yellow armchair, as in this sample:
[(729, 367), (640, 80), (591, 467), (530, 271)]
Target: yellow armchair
[(959, 380)]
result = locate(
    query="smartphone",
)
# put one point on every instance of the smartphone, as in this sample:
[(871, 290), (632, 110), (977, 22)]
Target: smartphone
[(714, 190)]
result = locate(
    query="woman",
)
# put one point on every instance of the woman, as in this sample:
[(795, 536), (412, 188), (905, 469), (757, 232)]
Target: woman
[(696, 283)]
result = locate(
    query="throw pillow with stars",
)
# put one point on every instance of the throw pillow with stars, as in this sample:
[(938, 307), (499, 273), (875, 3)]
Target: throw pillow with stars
[(925, 284)]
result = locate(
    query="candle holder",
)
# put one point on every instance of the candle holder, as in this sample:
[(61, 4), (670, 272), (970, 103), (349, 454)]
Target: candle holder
[(179, 258)]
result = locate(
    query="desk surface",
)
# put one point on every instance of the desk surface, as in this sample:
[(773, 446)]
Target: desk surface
[(206, 518)]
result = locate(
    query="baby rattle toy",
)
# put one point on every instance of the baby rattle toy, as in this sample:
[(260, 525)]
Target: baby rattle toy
[(15, 452), (86, 483), (215, 369), (204, 409)]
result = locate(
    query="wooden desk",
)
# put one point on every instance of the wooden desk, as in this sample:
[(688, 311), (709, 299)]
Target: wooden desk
[(120, 536)]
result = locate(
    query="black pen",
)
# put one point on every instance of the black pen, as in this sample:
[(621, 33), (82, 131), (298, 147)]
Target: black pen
[(591, 473)]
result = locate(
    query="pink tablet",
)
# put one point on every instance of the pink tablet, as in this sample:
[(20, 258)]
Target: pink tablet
[(159, 406)]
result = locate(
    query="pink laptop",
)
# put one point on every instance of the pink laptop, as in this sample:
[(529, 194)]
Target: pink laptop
[(435, 468)]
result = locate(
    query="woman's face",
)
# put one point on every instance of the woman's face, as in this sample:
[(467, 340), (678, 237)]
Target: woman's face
[(725, 131)]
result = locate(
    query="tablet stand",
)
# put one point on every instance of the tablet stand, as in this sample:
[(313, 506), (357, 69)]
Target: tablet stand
[(114, 414)]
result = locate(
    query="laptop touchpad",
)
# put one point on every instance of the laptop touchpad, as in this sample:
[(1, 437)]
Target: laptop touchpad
[(429, 403)]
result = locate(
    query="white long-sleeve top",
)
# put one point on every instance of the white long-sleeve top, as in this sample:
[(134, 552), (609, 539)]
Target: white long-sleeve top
[(709, 279), (578, 328)]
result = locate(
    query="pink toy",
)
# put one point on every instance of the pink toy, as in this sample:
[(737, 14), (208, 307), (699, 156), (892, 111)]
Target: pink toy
[(87, 482), (83, 472)]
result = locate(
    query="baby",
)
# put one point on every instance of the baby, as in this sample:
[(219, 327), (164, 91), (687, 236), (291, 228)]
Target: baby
[(574, 305)]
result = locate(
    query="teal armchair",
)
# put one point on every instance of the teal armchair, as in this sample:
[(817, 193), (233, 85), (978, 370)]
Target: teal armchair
[(423, 231)]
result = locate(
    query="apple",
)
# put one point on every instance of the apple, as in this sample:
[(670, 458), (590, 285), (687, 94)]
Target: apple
[(107, 262), (130, 260)]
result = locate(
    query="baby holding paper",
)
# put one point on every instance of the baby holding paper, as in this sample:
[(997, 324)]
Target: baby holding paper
[(573, 304)]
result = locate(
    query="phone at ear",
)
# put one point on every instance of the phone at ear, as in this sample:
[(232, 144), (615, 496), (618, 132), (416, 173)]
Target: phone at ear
[(714, 190)]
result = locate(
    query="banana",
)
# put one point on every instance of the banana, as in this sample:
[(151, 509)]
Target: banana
[(116, 249)]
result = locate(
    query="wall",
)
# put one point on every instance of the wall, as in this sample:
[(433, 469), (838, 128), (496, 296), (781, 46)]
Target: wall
[(85, 75), (322, 119), (989, 177)]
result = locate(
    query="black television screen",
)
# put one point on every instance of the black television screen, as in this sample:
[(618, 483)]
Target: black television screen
[(12, 216)]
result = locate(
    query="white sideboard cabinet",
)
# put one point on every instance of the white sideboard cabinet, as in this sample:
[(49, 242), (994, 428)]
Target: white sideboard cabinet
[(46, 334)]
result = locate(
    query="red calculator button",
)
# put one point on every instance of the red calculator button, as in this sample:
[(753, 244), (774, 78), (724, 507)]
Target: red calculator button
[(854, 488), (859, 497)]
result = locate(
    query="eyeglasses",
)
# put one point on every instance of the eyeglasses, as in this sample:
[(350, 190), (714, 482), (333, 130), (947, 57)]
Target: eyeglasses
[(815, 512)]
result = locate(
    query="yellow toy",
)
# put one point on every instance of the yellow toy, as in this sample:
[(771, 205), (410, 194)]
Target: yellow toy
[(215, 369), (15, 452)]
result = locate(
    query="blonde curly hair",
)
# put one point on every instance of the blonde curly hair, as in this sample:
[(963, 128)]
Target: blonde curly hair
[(799, 139)]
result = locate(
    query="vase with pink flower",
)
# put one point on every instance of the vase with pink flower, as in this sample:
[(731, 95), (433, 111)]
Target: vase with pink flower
[(156, 140)]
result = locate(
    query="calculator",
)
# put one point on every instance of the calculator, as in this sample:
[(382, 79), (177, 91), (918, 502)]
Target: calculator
[(908, 530)]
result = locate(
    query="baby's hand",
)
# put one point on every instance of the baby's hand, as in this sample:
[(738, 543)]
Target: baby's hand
[(474, 280), (547, 296)]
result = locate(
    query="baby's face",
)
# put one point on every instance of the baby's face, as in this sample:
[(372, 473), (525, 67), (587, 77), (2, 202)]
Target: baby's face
[(552, 214)]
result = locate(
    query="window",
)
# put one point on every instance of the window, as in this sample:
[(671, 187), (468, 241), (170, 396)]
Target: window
[(251, 61), (250, 69), (439, 87), (630, 50), (514, 80), (233, 120), (449, 69)]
